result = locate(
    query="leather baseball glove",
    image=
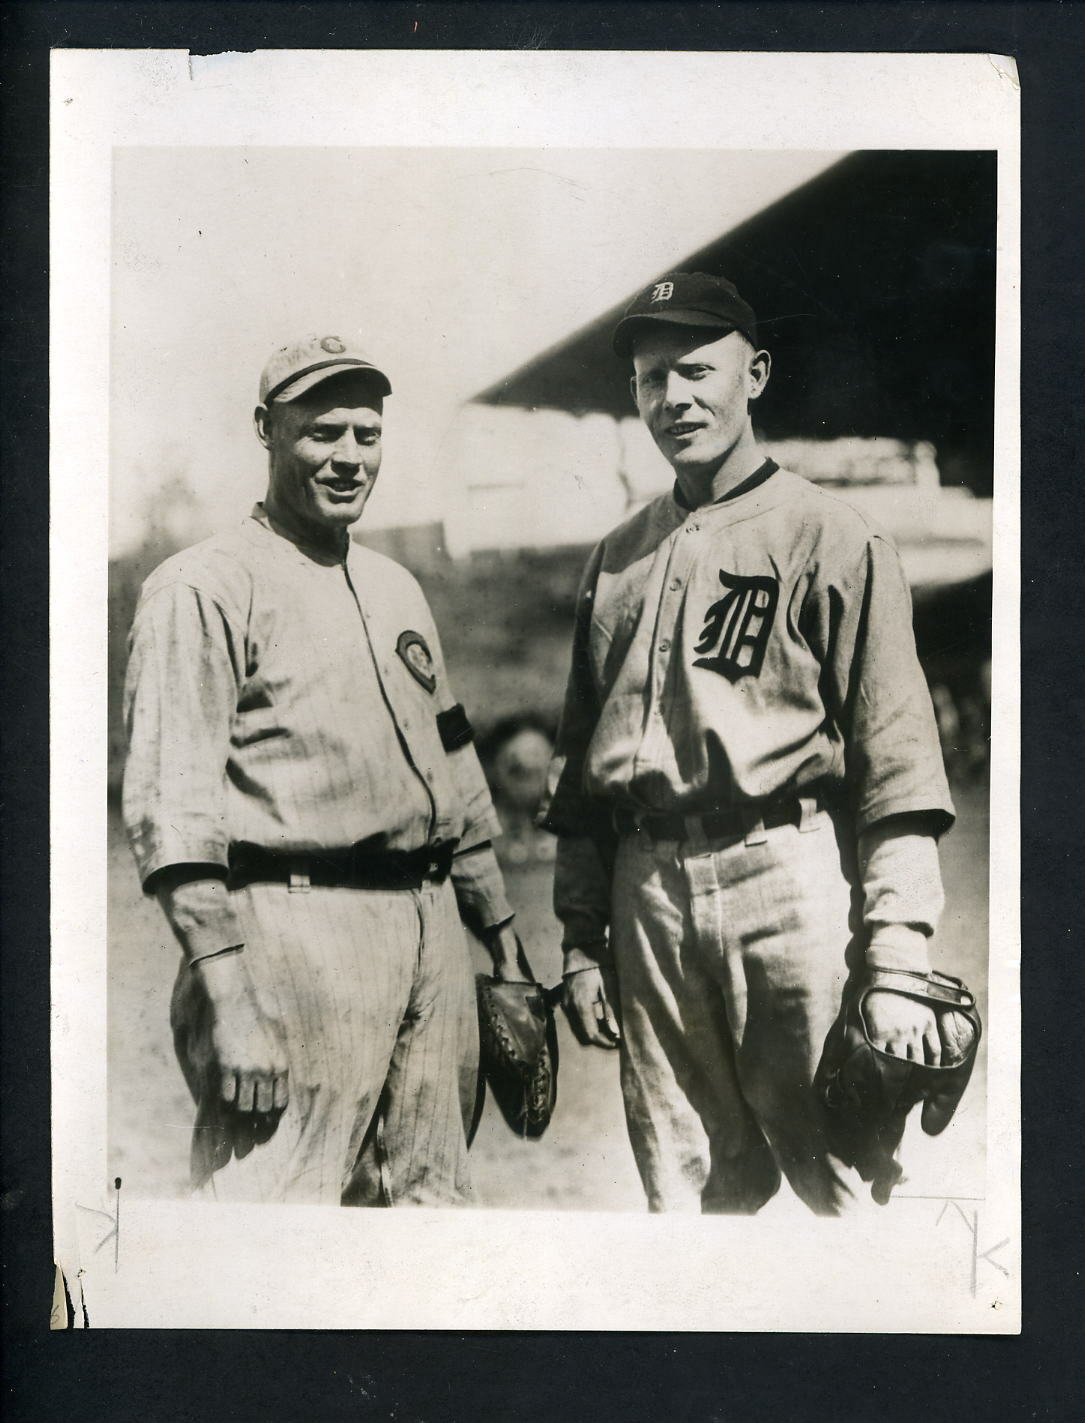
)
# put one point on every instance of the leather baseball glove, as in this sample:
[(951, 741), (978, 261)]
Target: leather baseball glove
[(868, 1093), (518, 1052)]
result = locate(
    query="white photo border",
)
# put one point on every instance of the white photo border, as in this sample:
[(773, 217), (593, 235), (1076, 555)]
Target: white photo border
[(282, 1267)]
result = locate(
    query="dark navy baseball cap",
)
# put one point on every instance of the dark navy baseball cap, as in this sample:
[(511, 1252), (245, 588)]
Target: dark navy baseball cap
[(686, 299)]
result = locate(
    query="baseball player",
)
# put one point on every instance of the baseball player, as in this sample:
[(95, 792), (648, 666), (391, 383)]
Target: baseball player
[(748, 787), (302, 795)]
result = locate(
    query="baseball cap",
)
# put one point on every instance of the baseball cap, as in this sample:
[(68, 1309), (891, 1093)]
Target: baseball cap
[(686, 299), (296, 368)]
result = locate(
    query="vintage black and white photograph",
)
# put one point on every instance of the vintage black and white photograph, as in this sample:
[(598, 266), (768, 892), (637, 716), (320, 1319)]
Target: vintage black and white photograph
[(549, 692)]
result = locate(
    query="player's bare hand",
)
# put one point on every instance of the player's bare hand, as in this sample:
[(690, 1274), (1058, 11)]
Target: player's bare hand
[(590, 998), (902, 1027), (246, 1043)]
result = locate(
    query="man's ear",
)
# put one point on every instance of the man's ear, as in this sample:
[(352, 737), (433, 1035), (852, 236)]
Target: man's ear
[(261, 419), (760, 370), (633, 391)]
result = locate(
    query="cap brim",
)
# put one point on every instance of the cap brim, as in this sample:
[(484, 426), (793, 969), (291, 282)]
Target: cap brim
[(306, 382), (627, 328)]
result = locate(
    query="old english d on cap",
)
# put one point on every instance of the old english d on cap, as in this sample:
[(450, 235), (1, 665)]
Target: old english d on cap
[(686, 299), (301, 365)]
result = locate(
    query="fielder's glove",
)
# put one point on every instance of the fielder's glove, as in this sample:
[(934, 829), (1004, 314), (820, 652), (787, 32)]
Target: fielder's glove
[(518, 1052), (868, 1093)]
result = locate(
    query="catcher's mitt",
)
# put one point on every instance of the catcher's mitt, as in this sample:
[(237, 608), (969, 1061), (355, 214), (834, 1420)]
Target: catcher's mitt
[(868, 1093), (518, 1052)]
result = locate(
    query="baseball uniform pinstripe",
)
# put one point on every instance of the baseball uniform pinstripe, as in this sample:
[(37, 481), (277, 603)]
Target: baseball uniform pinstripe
[(283, 697)]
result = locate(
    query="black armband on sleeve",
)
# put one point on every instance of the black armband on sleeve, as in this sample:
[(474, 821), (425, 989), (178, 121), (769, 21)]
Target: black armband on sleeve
[(454, 729)]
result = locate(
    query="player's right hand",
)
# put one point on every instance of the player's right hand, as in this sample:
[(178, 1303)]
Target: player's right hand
[(247, 1044), (589, 998)]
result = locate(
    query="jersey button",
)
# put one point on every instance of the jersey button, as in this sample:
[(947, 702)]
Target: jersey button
[(664, 646), (676, 583)]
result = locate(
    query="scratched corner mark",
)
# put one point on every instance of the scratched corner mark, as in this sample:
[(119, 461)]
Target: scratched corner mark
[(1006, 68), (972, 1225), (114, 1219)]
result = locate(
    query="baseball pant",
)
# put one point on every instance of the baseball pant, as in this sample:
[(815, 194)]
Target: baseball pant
[(375, 994), (731, 961)]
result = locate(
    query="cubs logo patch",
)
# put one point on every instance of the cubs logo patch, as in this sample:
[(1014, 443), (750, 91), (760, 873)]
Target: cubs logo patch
[(417, 659), (737, 627)]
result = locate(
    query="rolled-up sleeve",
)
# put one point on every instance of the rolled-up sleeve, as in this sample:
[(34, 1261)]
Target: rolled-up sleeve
[(185, 667)]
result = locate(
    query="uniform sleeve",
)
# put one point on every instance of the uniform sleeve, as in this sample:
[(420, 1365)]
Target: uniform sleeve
[(874, 690), (585, 850), (902, 894), (568, 809), (186, 664), (480, 889), (582, 876), (476, 874)]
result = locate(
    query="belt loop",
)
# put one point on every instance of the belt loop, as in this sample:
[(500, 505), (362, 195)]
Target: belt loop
[(755, 828), (808, 812), (299, 877)]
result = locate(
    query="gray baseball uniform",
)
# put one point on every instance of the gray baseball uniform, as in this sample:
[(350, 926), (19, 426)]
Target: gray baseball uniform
[(285, 702), (745, 714)]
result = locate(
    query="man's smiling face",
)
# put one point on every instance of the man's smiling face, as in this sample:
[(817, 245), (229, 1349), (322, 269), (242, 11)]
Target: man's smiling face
[(694, 394), (325, 454)]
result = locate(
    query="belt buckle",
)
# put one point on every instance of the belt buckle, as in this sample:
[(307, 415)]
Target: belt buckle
[(753, 823), (809, 808), (438, 860)]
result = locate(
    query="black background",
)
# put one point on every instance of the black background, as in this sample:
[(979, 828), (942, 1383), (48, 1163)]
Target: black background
[(446, 1377)]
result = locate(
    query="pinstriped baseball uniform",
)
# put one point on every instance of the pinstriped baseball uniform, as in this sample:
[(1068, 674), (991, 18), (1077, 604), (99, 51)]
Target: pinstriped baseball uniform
[(728, 658), (286, 698)]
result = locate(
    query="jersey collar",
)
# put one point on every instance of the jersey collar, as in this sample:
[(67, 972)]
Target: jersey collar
[(764, 471), (310, 551)]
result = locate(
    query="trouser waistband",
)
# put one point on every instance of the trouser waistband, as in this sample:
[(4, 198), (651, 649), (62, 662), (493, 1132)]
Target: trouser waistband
[(734, 823), (356, 867)]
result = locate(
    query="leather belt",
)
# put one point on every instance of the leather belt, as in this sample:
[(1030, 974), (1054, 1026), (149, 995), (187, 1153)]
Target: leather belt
[(357, 867), (731, 824)]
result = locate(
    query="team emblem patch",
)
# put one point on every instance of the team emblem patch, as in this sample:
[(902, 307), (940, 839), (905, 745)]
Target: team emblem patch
[(662, 291), (417, 659), (736, 629)]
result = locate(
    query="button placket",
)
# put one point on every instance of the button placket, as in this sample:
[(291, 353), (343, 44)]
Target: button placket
[(667, 622), (400, 718), (675, 583)]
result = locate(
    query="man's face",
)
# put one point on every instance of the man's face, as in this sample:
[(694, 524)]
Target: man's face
[(693, 395), (325, 453)]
